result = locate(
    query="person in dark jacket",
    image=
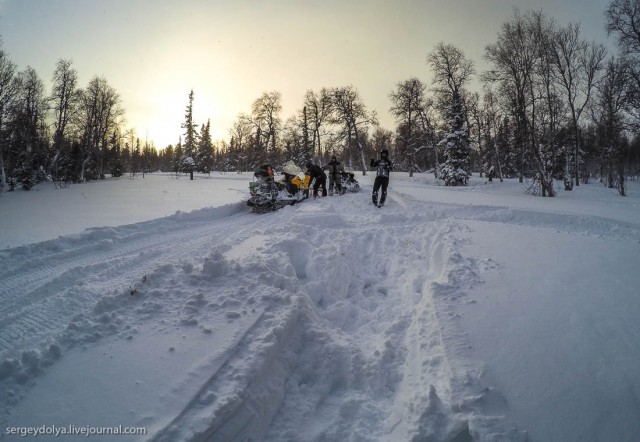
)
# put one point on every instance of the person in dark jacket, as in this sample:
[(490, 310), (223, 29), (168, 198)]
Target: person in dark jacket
[(335, 170), (383, 167), (318, 177)]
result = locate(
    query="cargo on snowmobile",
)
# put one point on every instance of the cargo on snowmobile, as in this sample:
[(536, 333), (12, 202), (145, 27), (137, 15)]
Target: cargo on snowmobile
[(268, 194)]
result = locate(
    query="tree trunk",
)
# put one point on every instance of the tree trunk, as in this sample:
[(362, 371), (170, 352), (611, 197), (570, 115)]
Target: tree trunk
[(3, 176), (319, 146), (499, 163), (568, 182), (610, 178), (54, 165), (621, 178), (410, 156), (577, 158), (361, 149), (522, 144), (84, 164)]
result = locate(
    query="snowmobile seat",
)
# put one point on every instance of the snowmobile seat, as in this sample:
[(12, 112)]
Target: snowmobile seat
[(291, 187)]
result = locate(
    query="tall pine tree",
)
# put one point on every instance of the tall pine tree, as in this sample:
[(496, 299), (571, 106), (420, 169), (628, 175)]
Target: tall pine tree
[(188, 163)]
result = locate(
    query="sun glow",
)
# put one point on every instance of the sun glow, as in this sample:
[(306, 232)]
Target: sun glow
[(158, 105), (161, 115)]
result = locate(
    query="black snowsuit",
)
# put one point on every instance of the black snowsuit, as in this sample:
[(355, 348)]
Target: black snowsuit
[(335, 170), (383, 167), (319, 179)]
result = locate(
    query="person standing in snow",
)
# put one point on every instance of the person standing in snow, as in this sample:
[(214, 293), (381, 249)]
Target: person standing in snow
[(335, 170), (383, 167), (318, 177)]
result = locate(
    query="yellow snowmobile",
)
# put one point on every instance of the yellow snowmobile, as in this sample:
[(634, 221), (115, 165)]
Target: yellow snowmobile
[(268, 194)]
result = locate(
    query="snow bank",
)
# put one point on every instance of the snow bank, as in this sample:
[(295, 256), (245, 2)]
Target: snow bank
[(46, 212)]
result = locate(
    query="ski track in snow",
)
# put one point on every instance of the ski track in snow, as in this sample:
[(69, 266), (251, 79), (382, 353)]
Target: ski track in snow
[(344, 315)]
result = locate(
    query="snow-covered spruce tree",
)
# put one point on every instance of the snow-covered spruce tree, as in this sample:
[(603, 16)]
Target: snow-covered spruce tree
[(490, 158), (457, 150), (204, 153), (188, 165), (67, 165), (24, 172), (136, 159), (452, 71), (177, 158), (115, 161)]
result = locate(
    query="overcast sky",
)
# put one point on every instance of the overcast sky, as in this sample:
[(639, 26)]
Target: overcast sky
[(153, 52)]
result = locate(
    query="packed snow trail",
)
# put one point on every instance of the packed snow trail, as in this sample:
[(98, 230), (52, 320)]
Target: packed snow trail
[(355, 352)]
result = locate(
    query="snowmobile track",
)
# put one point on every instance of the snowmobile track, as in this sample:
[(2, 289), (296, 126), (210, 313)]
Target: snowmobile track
[(41, 287)]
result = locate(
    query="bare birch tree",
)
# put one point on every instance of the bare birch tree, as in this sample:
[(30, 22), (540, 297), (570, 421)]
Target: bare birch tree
[(64, 100), (351, 113), (100, 114), (319, 111), (513, 59), (8, 90), (266, 115), (577, 64), (407, 104), (623, 21)]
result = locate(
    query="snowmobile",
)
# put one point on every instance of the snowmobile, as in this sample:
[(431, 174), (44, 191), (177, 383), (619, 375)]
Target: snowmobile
[(349, 183), (269, 194)]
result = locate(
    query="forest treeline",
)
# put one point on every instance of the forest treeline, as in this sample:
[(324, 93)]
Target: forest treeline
[(553, 106)]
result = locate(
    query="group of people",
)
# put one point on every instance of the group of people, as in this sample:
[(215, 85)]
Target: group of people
[(319, 177), (334, 168)]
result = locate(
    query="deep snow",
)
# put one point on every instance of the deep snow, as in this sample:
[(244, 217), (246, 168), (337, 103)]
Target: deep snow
[(452, 314)]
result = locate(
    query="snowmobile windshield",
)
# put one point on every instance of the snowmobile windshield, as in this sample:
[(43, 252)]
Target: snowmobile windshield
[(292, 169)]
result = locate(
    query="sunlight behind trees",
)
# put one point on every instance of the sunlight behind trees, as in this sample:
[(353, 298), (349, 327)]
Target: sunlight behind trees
[(537, 115)]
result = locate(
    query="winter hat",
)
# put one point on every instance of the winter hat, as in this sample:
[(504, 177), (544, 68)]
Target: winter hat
[(385, 152)]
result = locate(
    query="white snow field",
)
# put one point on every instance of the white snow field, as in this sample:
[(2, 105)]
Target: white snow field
[(451, 314)]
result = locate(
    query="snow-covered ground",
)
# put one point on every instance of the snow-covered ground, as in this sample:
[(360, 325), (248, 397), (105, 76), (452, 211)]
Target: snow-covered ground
[(451, 314)]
